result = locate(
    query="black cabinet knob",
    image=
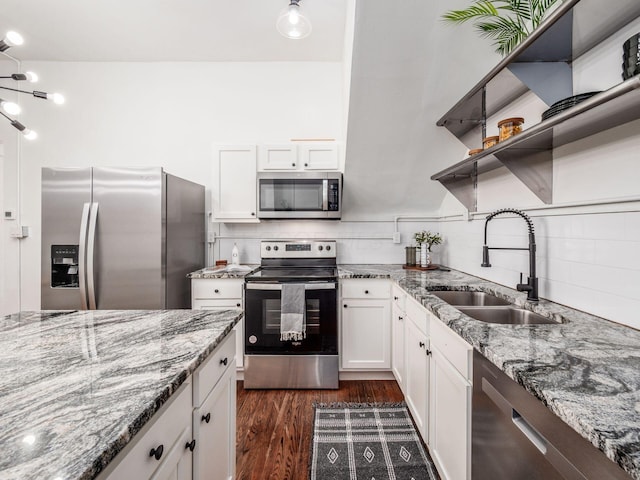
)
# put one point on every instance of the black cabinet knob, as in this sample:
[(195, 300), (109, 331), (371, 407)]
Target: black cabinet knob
[(157, 452), (421, 344), (253, 214), (400, 318), (428, 352), (293, 164), (224, 361), (306, 164), (237, 304), (206, 418), (366, 292), (191, 445), (216, 291), (395, 298), (345, 305)]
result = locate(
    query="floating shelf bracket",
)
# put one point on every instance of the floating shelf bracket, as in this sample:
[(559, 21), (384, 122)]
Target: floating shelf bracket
[(463, 187), (534, 168)]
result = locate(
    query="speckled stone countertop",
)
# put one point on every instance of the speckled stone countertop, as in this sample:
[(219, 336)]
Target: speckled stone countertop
[(228, 271), (75, 387), (585, 369)]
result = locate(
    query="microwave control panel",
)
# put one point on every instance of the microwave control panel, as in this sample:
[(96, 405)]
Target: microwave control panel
[(334, 196)]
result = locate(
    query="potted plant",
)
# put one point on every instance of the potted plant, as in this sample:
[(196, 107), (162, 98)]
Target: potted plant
[(508, 22), (425, 240)]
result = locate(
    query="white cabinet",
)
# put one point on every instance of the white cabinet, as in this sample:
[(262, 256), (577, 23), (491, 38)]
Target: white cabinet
[(221, 294), (319, 156), (417, 376), (234, 189), (450, 403), (278, 157), (214, 414), (299, 157), (365, 325), (398, 351), (159, 450)]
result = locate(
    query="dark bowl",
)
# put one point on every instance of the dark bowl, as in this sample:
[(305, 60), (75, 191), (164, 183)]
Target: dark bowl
[(566, 103), (634, 40)]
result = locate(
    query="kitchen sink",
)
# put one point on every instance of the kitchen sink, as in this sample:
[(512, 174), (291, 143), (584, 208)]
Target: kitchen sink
[(464, 298), (506, 315)]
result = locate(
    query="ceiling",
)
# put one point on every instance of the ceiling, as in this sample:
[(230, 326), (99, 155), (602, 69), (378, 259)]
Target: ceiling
[(170, 30)]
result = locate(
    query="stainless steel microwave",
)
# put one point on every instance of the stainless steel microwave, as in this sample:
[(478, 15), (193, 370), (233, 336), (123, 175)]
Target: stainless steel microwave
[(300, 195)]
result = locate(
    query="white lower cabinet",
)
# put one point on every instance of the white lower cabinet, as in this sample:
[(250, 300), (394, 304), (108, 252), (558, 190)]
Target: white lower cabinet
[(214, 427), (417, 377), (450, 403), (365, 324), (179, 462), (221, 294), (398, 352)]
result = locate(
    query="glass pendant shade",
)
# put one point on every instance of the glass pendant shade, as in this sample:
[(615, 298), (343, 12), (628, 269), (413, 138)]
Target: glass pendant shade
[(293, 24)]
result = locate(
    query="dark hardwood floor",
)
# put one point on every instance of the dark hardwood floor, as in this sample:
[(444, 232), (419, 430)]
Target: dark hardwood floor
[(274, 427)]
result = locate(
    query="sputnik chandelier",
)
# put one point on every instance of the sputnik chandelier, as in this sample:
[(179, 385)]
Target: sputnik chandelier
[(13, 39)]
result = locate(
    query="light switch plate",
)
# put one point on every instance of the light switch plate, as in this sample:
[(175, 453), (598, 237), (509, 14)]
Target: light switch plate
[(396, 237)]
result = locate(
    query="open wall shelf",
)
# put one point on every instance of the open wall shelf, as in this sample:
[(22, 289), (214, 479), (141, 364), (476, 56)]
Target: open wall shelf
[(542, 64)]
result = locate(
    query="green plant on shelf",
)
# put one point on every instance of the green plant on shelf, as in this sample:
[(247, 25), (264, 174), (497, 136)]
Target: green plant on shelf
[(508, 22), (427, 238)]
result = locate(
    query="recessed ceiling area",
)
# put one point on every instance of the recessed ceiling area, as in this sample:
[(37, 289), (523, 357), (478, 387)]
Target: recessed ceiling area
[(171, 30)]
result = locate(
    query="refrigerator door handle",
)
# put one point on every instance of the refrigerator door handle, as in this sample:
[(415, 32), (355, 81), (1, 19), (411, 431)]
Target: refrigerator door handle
[(91, 246), (82, 254)]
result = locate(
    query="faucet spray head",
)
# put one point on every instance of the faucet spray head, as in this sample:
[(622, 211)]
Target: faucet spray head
[(485, 256)]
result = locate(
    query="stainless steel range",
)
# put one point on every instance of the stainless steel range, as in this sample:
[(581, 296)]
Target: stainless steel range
[(291, 316)]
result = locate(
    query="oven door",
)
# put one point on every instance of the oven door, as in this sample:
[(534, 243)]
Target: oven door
[(262, 320)]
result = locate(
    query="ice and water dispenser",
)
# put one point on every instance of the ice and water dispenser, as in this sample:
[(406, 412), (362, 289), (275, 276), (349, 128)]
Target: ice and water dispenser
[(64, 266)]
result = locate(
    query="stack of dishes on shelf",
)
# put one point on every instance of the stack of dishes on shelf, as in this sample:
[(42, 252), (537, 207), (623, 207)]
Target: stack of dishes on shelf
[(566, 103), (631, 57)]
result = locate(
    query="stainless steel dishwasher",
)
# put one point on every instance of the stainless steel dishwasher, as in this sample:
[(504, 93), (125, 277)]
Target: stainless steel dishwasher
[(515, 436)]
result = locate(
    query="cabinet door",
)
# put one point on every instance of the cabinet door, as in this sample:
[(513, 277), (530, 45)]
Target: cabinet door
[(214, 427), (398, 351), (321, 156), (366, 334), (234, 189), (450, 419), (178, 464), (417, 375), (278, 157)]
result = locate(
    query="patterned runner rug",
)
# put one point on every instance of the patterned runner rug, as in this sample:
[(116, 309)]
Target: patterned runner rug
[(367, 442)]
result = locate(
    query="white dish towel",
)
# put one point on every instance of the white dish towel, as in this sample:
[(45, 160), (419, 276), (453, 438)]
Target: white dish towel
[(292, 309)]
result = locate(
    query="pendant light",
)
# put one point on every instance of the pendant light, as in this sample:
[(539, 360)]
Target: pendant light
[(13, 39), (292, 23)]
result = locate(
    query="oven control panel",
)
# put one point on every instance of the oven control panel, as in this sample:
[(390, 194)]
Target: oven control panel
[(298, 249)]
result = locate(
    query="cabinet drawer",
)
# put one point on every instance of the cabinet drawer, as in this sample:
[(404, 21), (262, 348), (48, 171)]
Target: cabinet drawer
[(398, 297), (355, 288), (419, 315), (212, 304), (165, 428), (216, 288), (208, 374), (458, 352)]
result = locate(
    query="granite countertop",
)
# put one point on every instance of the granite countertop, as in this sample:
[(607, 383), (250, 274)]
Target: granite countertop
[(75, 387), (228, 271), (585, 369)]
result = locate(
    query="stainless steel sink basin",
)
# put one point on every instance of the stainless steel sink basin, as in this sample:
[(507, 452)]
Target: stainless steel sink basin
[(469, 298), (506, 315)]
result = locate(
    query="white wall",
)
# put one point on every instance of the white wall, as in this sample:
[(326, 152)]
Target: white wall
[(587, 254), (166, 114)]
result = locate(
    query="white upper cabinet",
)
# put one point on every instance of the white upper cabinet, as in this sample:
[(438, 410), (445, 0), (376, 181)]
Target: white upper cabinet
[(299, 156), (233, 189)]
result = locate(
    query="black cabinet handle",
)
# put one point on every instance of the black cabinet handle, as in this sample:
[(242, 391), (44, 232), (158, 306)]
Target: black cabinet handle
[(366, 292), (345, 305), (428, 352), (395, 298), (216, 291), (224, 361), (400, 318), (191, 445), (253, 214), (237, 304), (421, 344), (157, 452), (206, 418), (293, 164), (306, 164)]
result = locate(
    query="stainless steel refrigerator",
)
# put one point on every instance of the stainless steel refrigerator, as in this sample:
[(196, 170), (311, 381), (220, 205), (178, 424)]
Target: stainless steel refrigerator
[(119, 238)]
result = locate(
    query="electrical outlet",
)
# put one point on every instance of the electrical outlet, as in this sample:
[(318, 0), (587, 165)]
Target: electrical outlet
[(396, 237), (211, 236), (20, 232)]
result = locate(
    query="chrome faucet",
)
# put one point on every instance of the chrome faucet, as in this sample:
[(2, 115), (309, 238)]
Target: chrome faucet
[(531, 287)]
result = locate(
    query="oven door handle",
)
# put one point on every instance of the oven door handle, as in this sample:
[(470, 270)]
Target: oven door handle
[(278, 286)]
